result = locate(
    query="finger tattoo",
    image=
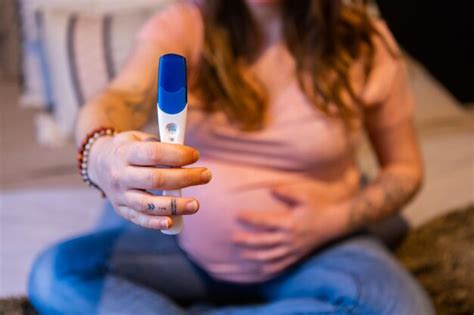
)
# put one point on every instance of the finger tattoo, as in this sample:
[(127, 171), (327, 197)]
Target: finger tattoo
[(151, 206), (173, 206)]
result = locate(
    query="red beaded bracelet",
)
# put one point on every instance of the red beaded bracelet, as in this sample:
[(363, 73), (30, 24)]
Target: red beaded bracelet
[(84, 150)]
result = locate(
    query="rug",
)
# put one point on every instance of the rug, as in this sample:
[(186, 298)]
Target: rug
[(441, 256)]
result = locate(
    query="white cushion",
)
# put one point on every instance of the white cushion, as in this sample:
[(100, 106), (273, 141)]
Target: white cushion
[(35, 89), (86, 43)]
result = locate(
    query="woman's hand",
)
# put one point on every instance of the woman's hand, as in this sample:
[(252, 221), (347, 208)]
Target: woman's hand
[(278, 239), (125, 166)]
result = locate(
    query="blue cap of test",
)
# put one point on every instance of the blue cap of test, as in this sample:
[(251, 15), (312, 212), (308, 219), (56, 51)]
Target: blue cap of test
[(172, 91)]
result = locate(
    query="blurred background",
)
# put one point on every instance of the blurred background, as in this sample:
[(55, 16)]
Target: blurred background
[(54, 54)]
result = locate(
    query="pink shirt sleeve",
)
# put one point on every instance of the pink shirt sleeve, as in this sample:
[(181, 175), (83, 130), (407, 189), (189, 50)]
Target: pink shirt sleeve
[(388, 93), (176, 29)]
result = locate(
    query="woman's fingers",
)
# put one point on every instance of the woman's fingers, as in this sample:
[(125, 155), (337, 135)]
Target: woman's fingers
[(150, 153), (164, 178), (150, 204), (268, 219), (267, 255), (147, 221), (279, 265), (260, 240)]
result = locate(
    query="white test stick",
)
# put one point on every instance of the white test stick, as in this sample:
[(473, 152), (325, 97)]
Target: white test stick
[(172, 109)]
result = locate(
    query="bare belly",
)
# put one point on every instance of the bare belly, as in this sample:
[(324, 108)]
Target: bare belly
[(207, 235)]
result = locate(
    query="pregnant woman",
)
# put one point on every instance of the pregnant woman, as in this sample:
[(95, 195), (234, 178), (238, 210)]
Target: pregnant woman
[(281, 93)]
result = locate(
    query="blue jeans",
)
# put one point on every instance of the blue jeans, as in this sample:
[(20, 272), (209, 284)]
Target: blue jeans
[(125, 269)]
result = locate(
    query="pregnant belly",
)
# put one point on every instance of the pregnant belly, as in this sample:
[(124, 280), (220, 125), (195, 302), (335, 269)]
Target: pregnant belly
[(207, 236)]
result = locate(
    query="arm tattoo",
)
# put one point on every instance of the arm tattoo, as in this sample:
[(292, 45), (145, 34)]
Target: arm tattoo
[(111, 114), (394, 191), (126, 109), (137, 108)]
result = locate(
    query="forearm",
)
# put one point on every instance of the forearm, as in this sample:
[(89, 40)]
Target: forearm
[(113, 108), (386, 195)]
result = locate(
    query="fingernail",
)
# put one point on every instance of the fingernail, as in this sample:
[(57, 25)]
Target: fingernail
[(206, 175), (196, 155), (192, 206), (165, 223)]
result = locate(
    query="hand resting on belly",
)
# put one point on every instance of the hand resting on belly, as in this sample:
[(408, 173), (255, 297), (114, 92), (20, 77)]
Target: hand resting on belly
[(255, 223)]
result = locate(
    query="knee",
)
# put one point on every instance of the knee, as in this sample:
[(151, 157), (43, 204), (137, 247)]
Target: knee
[(42, 278), (385, 287), (51, 270), (63, 269)]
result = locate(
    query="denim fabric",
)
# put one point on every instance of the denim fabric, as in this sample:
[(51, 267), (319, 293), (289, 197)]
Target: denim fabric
[(125, 269)]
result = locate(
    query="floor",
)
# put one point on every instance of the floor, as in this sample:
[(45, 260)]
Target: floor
[(42, 200)]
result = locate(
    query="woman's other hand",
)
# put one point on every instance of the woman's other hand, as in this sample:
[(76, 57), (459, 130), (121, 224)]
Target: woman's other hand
[(279, 238), (130, 163)]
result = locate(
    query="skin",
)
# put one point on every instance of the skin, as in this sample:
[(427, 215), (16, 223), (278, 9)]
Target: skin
[(267, 15), (124, 165), (280, 238)]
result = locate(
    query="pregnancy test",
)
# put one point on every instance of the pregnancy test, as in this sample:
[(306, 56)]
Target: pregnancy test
[(172, 108)]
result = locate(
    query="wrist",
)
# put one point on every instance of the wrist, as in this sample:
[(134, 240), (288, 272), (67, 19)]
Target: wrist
[(83, 156), (335, 224), (96, 155), (345, 212)]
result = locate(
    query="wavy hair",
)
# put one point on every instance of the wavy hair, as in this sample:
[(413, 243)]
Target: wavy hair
[(325, 37)]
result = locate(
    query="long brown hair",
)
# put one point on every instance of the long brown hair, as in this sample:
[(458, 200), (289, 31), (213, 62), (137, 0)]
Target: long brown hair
[(325, 37)]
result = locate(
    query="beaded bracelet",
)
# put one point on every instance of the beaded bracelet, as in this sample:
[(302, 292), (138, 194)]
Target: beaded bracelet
[(84, 150)]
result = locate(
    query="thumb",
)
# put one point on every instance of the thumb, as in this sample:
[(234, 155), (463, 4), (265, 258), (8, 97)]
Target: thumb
[(290, 194)]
